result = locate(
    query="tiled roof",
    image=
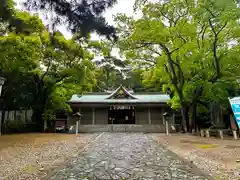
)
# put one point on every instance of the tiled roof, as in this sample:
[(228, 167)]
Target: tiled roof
[(112, 97), (143, 98)]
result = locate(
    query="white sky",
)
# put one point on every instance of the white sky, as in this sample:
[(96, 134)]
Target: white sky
[(123, 6)]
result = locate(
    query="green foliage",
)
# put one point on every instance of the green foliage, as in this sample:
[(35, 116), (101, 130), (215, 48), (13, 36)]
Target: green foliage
[(20, 127), (43, 70), (81, 17), (183, 47), (26, 23), (19, 53)]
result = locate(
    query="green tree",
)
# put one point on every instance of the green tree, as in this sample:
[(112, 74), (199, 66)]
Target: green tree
[(68, 69), (183, 45), (81, 17), (45, 68)]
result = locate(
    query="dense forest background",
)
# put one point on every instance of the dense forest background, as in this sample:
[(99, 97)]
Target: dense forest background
[(186, 48)]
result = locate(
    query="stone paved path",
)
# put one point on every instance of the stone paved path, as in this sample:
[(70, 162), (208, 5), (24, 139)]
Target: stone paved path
[(125, 156)]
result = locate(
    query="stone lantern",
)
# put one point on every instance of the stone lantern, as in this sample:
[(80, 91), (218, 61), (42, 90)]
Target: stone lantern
[(166, 116), (78, 115)]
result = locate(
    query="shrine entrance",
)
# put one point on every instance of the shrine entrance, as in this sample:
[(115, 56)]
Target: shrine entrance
[(121, 115)]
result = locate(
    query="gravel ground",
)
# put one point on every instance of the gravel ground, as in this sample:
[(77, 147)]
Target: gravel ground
[(214, 156), (120, 155), (32, 156), (128, 156)]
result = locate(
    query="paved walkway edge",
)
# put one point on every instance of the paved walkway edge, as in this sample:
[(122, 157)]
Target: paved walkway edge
[(185, 160), (51, 171)]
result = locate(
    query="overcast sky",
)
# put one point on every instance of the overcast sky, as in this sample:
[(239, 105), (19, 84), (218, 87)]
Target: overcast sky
[(123, 6)]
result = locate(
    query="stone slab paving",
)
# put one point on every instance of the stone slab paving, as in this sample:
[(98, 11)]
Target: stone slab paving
[(128, 156)]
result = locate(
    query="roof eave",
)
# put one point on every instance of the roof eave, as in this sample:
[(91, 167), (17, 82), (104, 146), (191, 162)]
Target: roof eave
[(97, 102)]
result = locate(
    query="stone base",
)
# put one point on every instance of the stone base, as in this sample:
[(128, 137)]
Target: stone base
[(122, 128)]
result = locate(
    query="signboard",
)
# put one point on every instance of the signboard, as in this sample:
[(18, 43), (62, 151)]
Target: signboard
[(121, 107), (235, 104)]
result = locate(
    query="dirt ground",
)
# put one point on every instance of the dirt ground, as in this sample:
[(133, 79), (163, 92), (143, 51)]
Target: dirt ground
[(219, 158), (32, 156)]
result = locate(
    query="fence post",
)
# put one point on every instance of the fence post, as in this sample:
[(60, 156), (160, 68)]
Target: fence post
[(201, 132), (235, 134), (221, 134), (207, 133)]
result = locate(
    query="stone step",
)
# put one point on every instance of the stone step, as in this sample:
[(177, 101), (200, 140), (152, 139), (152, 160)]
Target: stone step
[(123, 128)]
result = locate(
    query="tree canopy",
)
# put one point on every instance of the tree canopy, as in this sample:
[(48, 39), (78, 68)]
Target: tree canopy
[(81, 17), (184, 47), (43, 69)]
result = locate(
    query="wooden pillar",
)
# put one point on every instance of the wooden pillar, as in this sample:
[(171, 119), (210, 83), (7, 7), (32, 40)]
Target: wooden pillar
[(149, 116), (67, 122), (163, 118), (173, 118), (93, 115), (135, 114), (80, 111)]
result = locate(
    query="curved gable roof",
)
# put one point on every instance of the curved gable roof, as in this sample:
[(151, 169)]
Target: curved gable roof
[(111, 97), (117, 92)]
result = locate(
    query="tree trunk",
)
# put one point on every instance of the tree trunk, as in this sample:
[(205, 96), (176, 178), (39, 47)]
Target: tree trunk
[(194, 117), (37, 117), (1, 121), (45, 125), (185, 118), (188, 121), (41, 99)]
